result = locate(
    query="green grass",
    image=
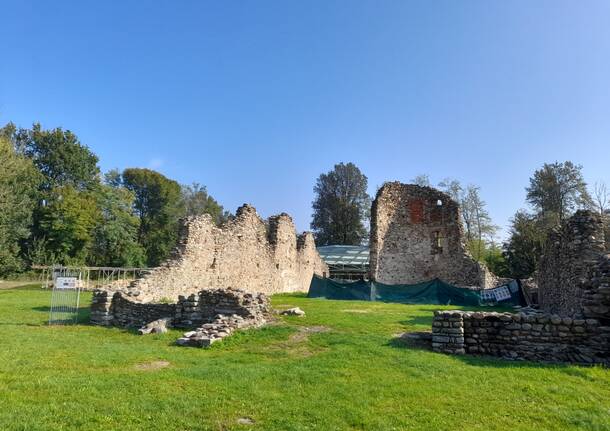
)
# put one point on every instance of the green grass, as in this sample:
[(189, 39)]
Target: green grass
[(351, 377)]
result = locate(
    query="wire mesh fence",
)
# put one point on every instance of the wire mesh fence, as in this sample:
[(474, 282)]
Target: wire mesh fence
[(65, 297)]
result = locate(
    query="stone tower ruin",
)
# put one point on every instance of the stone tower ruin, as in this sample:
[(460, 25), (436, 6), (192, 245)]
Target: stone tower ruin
[(417, 235)]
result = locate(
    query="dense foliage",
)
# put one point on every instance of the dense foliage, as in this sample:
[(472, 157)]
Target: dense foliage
[(341, 206), (555, 192), (18, 192), (55, 207)]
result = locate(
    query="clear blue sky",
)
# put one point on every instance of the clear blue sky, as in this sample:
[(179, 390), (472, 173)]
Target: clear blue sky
[(255, 99)]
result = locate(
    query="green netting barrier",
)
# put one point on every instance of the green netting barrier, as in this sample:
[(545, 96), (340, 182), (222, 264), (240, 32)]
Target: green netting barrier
[(431, 292)]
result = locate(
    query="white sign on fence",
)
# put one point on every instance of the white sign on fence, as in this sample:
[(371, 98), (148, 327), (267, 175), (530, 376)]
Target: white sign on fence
[(65, 296), (65, 282)]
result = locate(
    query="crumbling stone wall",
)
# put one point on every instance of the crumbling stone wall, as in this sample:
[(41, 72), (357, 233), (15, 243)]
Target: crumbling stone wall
[(417, 235), (574, 292), (120, 309), (245, 253), (574, 273), (536, 336)]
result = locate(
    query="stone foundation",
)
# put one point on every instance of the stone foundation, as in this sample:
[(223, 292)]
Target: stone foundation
[(417, 235), (118, 309), (535, 337)]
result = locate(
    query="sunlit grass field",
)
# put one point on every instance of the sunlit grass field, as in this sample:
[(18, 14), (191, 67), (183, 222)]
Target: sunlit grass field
[(350, 373)]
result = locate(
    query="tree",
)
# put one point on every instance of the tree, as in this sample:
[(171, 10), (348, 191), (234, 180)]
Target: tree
[(115, 237), (197, 201), (601, 199), (341, 206), (453, 188), (495, 260), (480, 229), (556, 190), (66, 223), (422, 180), (158, 203), (18, 184), (58, 155), (478, 226), (524, 247)]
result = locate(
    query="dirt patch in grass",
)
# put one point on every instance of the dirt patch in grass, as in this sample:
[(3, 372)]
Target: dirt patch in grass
[(356, 311), (245, 421), (151, 366), (13, 284), (304, 331)]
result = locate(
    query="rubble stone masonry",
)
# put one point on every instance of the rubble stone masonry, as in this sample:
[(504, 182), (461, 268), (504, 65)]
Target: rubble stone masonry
[(417, 235), (573, 324), (574, 272), (245, 253)]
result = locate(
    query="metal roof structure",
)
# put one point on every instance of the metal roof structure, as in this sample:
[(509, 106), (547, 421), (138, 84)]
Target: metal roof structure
[(346, 261)]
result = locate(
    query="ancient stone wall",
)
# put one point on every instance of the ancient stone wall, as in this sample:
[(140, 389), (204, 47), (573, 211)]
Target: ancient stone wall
[(574, 273), (536, 337), (119, 309), (245, 253), (417, 235)]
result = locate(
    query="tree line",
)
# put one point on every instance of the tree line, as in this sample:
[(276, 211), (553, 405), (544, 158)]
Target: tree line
[(56, 206), (341, 210)]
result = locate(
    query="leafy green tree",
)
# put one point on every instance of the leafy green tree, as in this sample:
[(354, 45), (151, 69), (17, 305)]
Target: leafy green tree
[(197, 201), (66, 222), (341, 206), (18, 184), (115, 237), (158, 204), (495, 260), (58, 155), (523, 249), (557, 190)]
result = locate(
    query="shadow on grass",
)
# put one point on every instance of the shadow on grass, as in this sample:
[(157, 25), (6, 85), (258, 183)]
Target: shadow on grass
[(493, 361), (83, 316), (417, 320)]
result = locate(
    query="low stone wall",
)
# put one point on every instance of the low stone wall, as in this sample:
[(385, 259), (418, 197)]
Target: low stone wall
[(118, 309), (121, 310), (535, 337), (198, 309)]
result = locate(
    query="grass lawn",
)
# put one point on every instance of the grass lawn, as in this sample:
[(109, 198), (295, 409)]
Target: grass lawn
[(353, 376)]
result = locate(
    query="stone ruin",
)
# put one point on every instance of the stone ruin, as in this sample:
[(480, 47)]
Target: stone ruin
[(574, 273), (245, 255), (215, 313), (417, 235), (573, 324)]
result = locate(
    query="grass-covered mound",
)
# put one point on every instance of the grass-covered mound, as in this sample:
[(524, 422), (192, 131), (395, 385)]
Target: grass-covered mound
[(337, 368)]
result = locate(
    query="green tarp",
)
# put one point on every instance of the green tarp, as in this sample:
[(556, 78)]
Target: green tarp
[(431, 292)]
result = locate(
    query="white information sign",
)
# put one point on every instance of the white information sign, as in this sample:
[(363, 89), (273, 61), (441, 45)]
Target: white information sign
[(65, 282)]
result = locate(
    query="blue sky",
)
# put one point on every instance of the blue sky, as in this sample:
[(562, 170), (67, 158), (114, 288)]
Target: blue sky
[(255, 99)]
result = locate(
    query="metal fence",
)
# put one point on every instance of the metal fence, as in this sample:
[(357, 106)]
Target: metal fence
[(65, 298)]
